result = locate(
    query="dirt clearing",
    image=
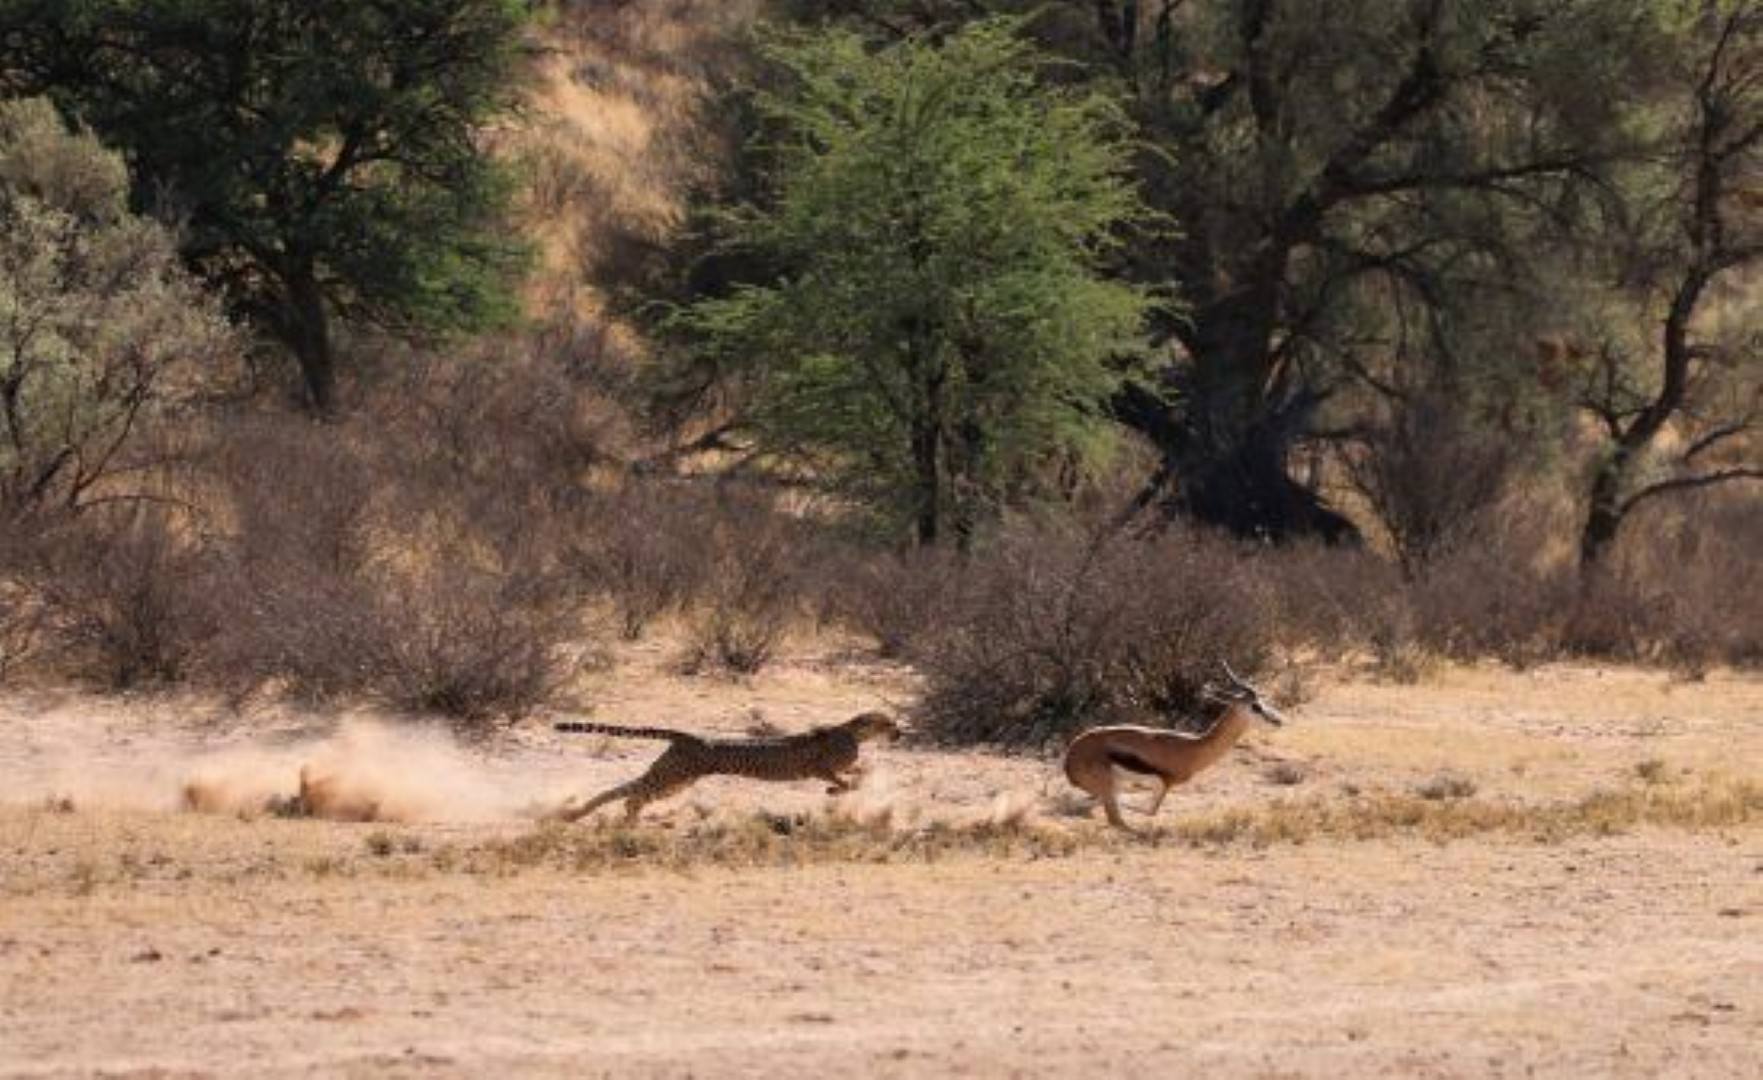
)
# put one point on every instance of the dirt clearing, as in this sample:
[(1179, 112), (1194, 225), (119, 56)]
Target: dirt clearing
[(967, 922), (1632, 956)]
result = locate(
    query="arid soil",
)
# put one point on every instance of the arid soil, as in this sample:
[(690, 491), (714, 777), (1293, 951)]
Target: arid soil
[(454, 937)]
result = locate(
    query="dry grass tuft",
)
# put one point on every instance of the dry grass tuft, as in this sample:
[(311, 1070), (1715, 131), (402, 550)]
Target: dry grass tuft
[(1284, 774), (58, 848), (1011, 829), (765, 839), (1445, 785), (1713, 804)]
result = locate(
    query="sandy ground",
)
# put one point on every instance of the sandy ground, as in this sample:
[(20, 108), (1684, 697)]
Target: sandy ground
[(137, 939)]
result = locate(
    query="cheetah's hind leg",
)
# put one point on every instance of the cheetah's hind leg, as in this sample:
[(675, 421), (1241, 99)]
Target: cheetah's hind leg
[(570, 812)]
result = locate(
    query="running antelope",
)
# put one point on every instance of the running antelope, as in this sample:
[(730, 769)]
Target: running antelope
[(1169, 757)]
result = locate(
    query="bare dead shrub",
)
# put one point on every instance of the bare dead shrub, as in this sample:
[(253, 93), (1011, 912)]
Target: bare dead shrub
[(364, 567), (1678, 589), (23, 614), (21, 624), (1616, 617), (754, 590), (1497, 598), (897, 599), (520, 418), (128, 593), (470, 644), (733, 639), (1429, 474), (299, 491), (646, 548), (301, 627), (1058, 632), (1333, 600), (463, 641), (302, 500)]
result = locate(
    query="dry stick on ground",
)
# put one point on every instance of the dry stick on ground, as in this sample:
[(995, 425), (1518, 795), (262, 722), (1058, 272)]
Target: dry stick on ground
[(1171, 757), (823, 753)]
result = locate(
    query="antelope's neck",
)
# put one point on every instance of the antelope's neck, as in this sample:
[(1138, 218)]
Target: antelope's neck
[(1223, 734)]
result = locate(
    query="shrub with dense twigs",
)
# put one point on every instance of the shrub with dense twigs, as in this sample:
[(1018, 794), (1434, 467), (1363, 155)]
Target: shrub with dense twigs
[(1056, 631)]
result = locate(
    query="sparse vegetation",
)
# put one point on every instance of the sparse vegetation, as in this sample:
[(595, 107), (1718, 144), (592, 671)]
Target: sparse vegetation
[(1709, 805), (765, 839), (451, 542), (739, 365), (1284, 774)]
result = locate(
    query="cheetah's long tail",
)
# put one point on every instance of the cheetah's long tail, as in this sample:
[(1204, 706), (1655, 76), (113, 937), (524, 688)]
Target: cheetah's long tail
[(582, 727)]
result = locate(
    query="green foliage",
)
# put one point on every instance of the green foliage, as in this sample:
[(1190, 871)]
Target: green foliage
[(936, 334), (1363, 187), (99, 325), (323, 153), (1668, 330)]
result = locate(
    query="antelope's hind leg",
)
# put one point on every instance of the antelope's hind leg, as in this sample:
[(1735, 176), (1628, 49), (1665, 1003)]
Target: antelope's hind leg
[(1163, 787), (1111, 807), (1099, 784), (1108, 795)]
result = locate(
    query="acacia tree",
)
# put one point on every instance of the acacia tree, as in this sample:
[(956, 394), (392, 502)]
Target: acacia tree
[(1359, 185), (933, 334), (100, 327), (1676, 346), (325, 156)]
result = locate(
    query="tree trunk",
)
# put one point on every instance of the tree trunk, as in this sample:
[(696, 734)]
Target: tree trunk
[(1607, 507), (1604, 514), (927, 435), (928, 486), (308, 334), (1226, 444), (1243, 485)]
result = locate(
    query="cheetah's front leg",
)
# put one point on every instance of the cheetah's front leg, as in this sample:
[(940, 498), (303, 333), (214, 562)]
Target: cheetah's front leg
[(841, 784)]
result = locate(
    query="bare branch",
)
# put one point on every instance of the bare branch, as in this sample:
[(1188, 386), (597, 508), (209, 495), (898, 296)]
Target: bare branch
[(1714, 437), (1690, 483)]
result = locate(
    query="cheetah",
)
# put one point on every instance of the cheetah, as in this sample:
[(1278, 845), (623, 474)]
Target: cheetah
[(822, 753)]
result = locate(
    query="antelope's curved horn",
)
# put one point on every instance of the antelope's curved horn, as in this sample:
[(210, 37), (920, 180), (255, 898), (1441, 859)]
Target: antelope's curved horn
[(1235, 679)]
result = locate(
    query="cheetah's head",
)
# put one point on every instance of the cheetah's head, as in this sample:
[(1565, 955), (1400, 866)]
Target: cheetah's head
[(873, 725)]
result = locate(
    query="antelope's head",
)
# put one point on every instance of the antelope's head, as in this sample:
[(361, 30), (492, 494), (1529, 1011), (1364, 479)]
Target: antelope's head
[(1241, 693)]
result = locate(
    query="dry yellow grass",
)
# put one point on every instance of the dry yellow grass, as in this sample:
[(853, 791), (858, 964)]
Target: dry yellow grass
[(1703, 804), (1622, 956), (1579, 904), (613, 141), (80, 853)]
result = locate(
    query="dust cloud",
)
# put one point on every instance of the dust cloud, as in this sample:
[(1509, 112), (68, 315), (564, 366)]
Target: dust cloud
[(365, 771)]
